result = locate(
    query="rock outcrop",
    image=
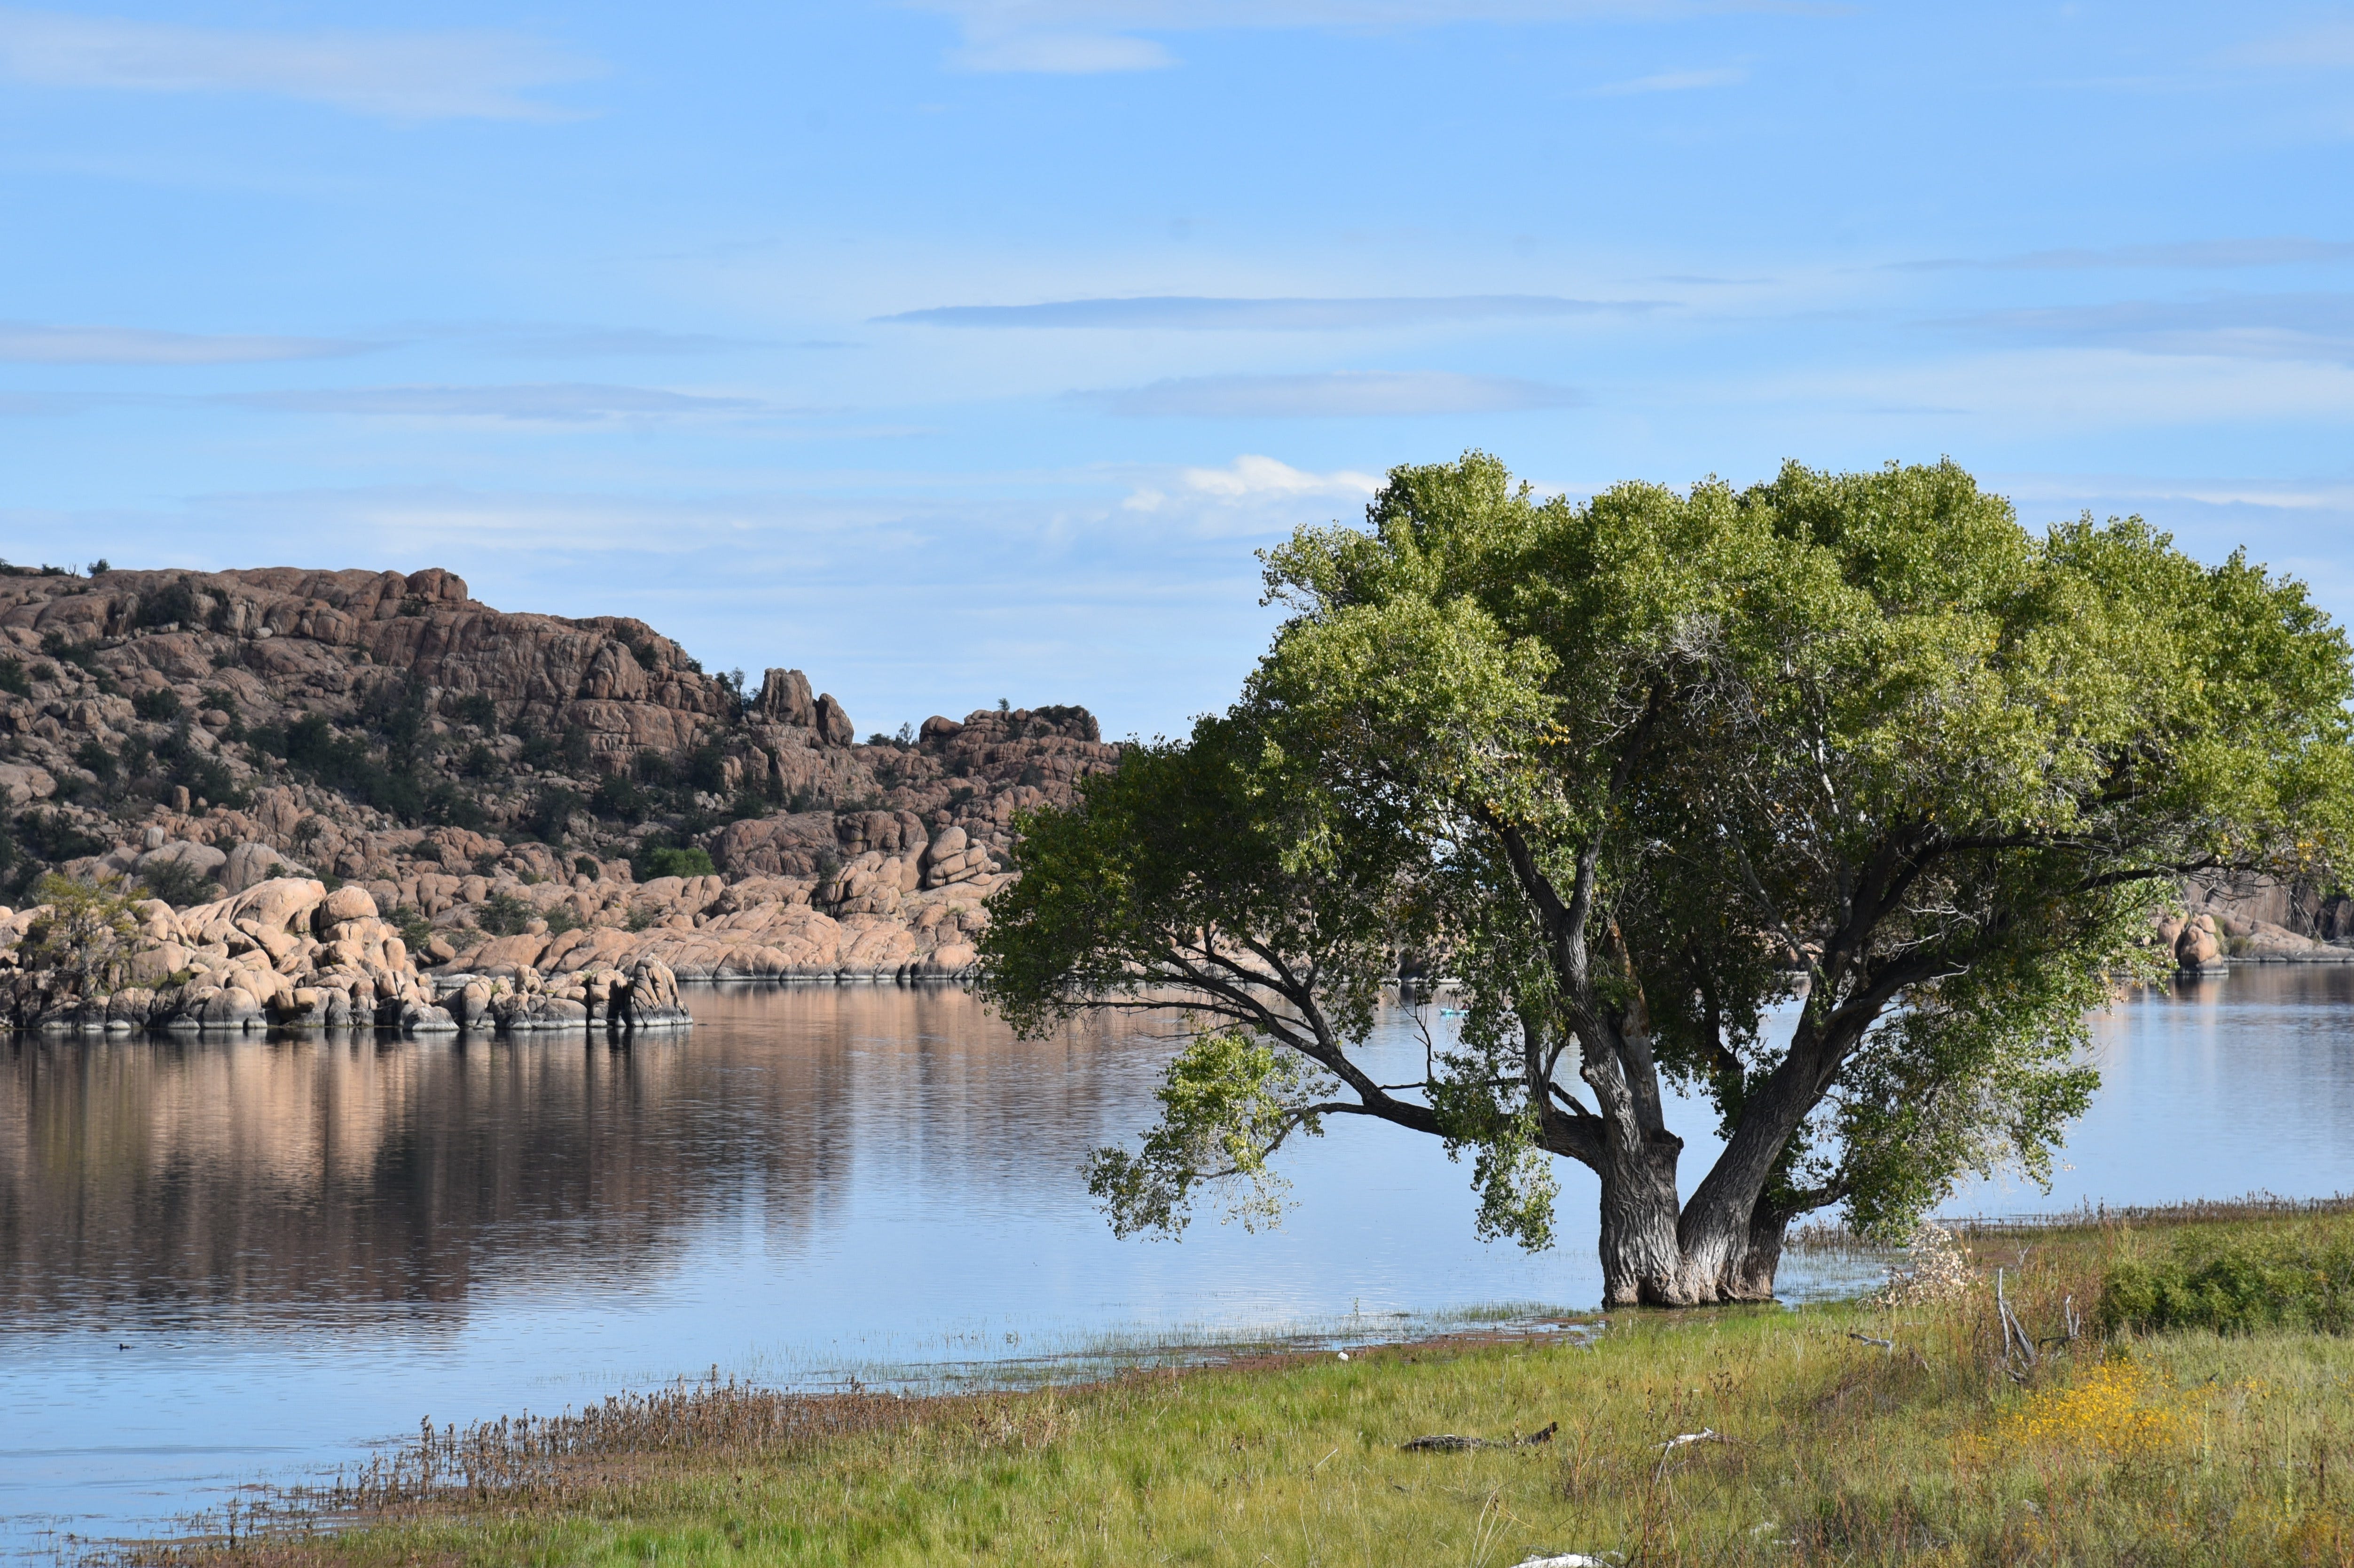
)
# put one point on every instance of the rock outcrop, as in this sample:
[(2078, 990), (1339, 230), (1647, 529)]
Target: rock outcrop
[(289, 953), (507, 790), (2213, 936)]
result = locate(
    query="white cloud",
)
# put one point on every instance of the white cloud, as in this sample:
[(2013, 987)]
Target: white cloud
[(2310, 326), (563, 402), (2049, 392), (400, 76), (1196, 313), (1251, 497), (1249, 475), (1672, 81), (1344, 394), (1073, 36), (557, 340), (1251, 478), (2283, 251), (1064, 54), (2269, 496), (2327, 47), (26, 343)]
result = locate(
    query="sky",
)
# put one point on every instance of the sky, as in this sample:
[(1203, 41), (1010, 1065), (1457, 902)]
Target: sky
[(959, 350)]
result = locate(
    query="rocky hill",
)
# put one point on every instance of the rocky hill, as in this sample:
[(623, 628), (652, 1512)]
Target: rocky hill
[(514, 791)]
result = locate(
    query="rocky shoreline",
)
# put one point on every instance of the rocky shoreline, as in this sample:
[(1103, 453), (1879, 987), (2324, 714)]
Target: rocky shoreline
[(287, 953), (524, 798), (2217, 938)]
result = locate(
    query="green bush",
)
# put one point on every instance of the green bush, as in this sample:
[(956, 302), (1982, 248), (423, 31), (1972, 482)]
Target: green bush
[(157, 706), (670, 861), (617, 797), (173, 604), (415, 930), (94, 756), (505, 915), (53, 836), (177, 884), (2236, 1282), (13, 678), (551, 813)]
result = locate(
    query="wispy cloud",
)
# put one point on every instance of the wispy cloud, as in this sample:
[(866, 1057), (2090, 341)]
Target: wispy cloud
[(1249, 476), (2329, 46), (1347, 394), (1252, 495), (2285, 250), (559, 340), (2311, 327), (1078, 36), (2263, 494), (26, 343), (1672, 81), (547, 402), (1187, 312), (1063, 54), (400, 76)]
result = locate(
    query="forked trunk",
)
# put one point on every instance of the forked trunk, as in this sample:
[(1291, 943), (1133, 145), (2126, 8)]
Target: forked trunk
[(1653, 1256)]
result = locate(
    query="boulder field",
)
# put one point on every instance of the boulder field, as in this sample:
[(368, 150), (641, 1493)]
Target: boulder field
[(287, 952), (526, 800)]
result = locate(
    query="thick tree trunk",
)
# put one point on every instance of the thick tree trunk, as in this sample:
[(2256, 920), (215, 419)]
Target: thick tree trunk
[(1640, 1256), (1652, 1256), (1753, 1278)]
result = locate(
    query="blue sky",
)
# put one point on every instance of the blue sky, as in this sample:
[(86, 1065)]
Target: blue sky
[(966, 348)]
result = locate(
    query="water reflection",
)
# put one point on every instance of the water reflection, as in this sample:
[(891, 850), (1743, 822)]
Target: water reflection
[(181, 1180), (2233, 1084), (222, 1260)]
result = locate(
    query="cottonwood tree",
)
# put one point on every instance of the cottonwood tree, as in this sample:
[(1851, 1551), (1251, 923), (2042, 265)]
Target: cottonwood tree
[(1836, 803)]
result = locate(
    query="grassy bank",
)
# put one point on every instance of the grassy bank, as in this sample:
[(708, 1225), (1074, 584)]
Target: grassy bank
[(2150, 1438)]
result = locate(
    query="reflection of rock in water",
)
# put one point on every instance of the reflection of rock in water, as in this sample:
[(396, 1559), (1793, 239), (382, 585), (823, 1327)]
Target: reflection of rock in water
[(310, 1173)]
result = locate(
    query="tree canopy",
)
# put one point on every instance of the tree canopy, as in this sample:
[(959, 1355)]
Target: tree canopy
[(1838, 801)]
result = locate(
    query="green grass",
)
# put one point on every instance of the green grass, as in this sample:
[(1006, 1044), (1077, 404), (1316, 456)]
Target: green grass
[(2181, 1445)]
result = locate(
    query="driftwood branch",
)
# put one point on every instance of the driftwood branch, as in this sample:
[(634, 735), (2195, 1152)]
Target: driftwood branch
[(1455, 1443)]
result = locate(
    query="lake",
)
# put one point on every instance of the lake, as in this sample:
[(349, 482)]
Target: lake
[(239, 1261)]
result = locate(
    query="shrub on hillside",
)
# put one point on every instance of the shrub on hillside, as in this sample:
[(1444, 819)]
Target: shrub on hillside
[(174, 604), (53, 836), (505, 915), (157, 705), (85, 934), (177, 884), (690, 860), (619, 798), (415, 930)]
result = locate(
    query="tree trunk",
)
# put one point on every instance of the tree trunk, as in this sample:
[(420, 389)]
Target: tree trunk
[(1654, 1255), (1753, 1278), (1640, 1257)]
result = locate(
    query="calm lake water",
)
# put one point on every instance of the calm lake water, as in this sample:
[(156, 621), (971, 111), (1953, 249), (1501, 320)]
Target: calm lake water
[(223, 1263)]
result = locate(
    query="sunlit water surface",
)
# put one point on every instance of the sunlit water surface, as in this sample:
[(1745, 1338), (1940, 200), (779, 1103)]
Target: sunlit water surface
[(224, 1263)]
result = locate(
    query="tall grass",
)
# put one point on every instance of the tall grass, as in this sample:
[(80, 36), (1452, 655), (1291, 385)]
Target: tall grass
[(1849, 1433)]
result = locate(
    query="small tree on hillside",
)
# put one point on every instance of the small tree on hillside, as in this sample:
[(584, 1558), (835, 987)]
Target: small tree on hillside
[(1639, 771), (85, 937)]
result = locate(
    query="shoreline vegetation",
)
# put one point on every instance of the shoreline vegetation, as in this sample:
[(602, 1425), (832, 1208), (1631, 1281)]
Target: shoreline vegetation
[(2143, 1386)]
